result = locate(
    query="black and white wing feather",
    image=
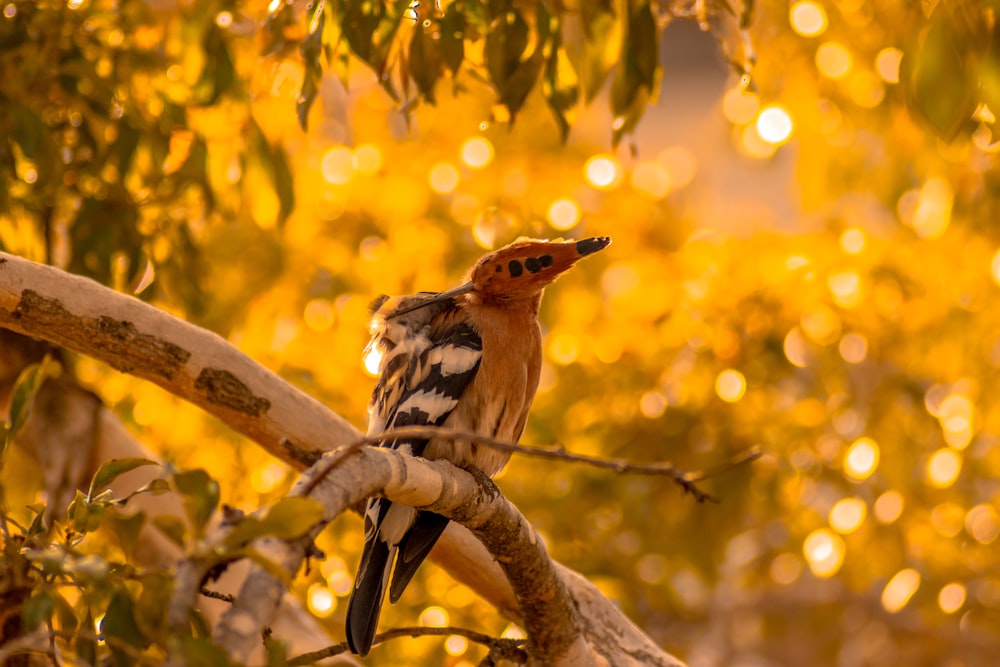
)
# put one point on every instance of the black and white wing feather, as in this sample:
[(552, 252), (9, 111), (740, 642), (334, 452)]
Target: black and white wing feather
[(428, 358)]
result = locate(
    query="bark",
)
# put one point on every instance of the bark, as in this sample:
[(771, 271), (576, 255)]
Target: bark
[(568, 621)]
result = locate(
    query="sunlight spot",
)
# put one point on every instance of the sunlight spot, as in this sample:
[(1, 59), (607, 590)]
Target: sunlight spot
[(730, 385), (652, 404), (10, 10), (456, 645), (740, 106), (651, 568), (341, 583), (933, 210), (952, 597), (983, 524), (602, 172), (337, 165), (847, 515), (995, 267), (824, 551), (651, 180), (956, 414), (948, 519), (900, 589), (443, 178), (477, 152), (795, 348), (807, 18), (752, 145), (266, 478), (321, 600), (853, 348), (564, 349), (224, 19), (852, 241), (889, 506), (318, 314), (434, 617), (845, 287), (367, 159), (833, 60), (786, 568), (774, 124), (887, 64), (861, 459), (563, 214), (821, 324)]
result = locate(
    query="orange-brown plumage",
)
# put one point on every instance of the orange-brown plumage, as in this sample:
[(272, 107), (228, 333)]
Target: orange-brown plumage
[(469, 360)]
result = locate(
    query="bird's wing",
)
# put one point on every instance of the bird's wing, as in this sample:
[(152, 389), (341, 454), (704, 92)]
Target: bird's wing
[(424, 371)]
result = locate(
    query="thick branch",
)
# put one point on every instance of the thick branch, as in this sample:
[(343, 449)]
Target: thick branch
[(189, 362)]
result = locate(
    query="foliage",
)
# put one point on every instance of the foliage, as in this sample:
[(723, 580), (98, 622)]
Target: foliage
[(567, 50), (846, 328)]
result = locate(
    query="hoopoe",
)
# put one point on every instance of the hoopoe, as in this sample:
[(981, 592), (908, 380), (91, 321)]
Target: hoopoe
[(467, 359)]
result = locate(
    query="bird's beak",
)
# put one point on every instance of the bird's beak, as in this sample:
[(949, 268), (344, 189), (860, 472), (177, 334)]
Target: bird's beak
[(437, 298)]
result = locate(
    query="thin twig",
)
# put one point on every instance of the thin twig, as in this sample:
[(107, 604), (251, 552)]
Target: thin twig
[(509, 649), (686, 480), (216, 595)]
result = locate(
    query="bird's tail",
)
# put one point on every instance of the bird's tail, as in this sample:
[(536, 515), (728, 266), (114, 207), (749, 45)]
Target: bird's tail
[(366, 599)]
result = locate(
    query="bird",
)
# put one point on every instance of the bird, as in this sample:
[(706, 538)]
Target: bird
[(467, 359)]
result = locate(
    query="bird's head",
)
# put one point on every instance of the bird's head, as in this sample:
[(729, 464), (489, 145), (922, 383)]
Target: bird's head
[(519, 271), (522, 269)]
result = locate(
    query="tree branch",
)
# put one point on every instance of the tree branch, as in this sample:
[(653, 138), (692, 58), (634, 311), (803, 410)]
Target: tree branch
[(201, 367)]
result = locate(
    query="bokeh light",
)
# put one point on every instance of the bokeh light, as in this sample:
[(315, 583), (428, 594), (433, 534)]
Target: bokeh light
[(951, 597), (321, 600), (337, 165), (824, 551), (847, 515), (861, 459), (477, 152), (563, 214), (602, 172), (807, 18), (887, 64), (730, 385), (834, 60), (889, 506), (443, 178), (900, 589), (774, 124)]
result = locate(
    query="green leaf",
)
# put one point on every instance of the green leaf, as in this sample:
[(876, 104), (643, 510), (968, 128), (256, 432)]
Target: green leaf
[(85, 643), (940, 77), (636, 77), (119, 623), (453, 37), (111, 470), (152, 603), (426, 63), (562, 96), (26, 387), (84, 516), (65, 614), (310, 50), (287, 519), (198, 652), (127, 529), (201, 496), (172, 527), (277, 652), (38, 608)]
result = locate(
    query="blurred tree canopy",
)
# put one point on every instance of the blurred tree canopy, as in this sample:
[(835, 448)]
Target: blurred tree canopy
[(839, 313)]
